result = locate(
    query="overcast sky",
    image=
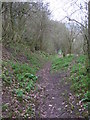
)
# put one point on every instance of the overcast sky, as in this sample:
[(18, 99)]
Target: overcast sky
[(62, 8)]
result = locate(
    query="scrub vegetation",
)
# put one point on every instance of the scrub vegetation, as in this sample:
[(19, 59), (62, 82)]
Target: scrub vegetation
[(45, 63)]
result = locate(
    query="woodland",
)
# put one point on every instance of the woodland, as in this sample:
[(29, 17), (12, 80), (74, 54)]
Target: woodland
[(45, 62)]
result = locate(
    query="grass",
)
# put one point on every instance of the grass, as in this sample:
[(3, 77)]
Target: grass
[(36, 59), (19, 77), (61, 63), (80, 79), (23, 74)]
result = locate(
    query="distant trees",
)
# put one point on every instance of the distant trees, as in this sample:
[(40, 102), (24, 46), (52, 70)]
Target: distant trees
[(29, 23), (13, 22), (88, 48), (59, 36), (25, 22), (82, 9), (89, 32)]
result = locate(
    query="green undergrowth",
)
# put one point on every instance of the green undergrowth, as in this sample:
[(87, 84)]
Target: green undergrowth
[(23, 69), (80, 79), (19, 78), (35, 59), (61, 63), (78, 75), (22, 75)]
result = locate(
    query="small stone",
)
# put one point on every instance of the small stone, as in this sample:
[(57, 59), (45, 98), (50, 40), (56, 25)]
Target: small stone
[(63, 103), (80, 110), (70, 94), (53, 98), (66, 106), (50, 105), (77, 104)]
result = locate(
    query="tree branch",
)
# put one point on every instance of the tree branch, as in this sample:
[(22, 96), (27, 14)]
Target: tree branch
[(76, 21)]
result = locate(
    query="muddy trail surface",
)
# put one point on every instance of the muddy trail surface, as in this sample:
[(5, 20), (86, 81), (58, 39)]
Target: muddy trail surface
[(54, 97)]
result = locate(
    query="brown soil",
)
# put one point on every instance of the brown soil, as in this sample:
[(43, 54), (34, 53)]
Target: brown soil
[(55, 98)]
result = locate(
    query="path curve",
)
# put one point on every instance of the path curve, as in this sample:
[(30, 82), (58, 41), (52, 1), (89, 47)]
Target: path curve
[(54, 95)]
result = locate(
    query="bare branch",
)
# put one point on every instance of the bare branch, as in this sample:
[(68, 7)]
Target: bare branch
[(76, 21)]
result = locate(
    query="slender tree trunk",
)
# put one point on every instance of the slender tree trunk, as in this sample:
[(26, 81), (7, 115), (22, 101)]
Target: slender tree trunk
[(11, 21), (88, 41), (11, 15), (70, 48), (88, 50)]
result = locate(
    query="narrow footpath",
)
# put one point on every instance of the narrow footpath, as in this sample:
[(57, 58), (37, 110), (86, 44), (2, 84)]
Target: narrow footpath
[(54, 98)]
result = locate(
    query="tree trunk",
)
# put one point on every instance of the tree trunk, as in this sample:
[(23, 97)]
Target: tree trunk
[(88, 41), (70, 48), (88, 51), (11, 21)]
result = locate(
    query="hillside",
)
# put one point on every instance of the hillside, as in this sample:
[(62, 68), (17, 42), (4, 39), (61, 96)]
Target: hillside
[(26, 86), (19, 69), (45, 59)]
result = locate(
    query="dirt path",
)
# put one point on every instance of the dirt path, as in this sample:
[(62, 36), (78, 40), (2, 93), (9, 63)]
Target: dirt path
[(54, 99)]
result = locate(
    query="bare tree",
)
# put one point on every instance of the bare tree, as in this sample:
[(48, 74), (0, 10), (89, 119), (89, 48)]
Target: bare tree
[(88, 49), (88, 30), (25, 22)]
